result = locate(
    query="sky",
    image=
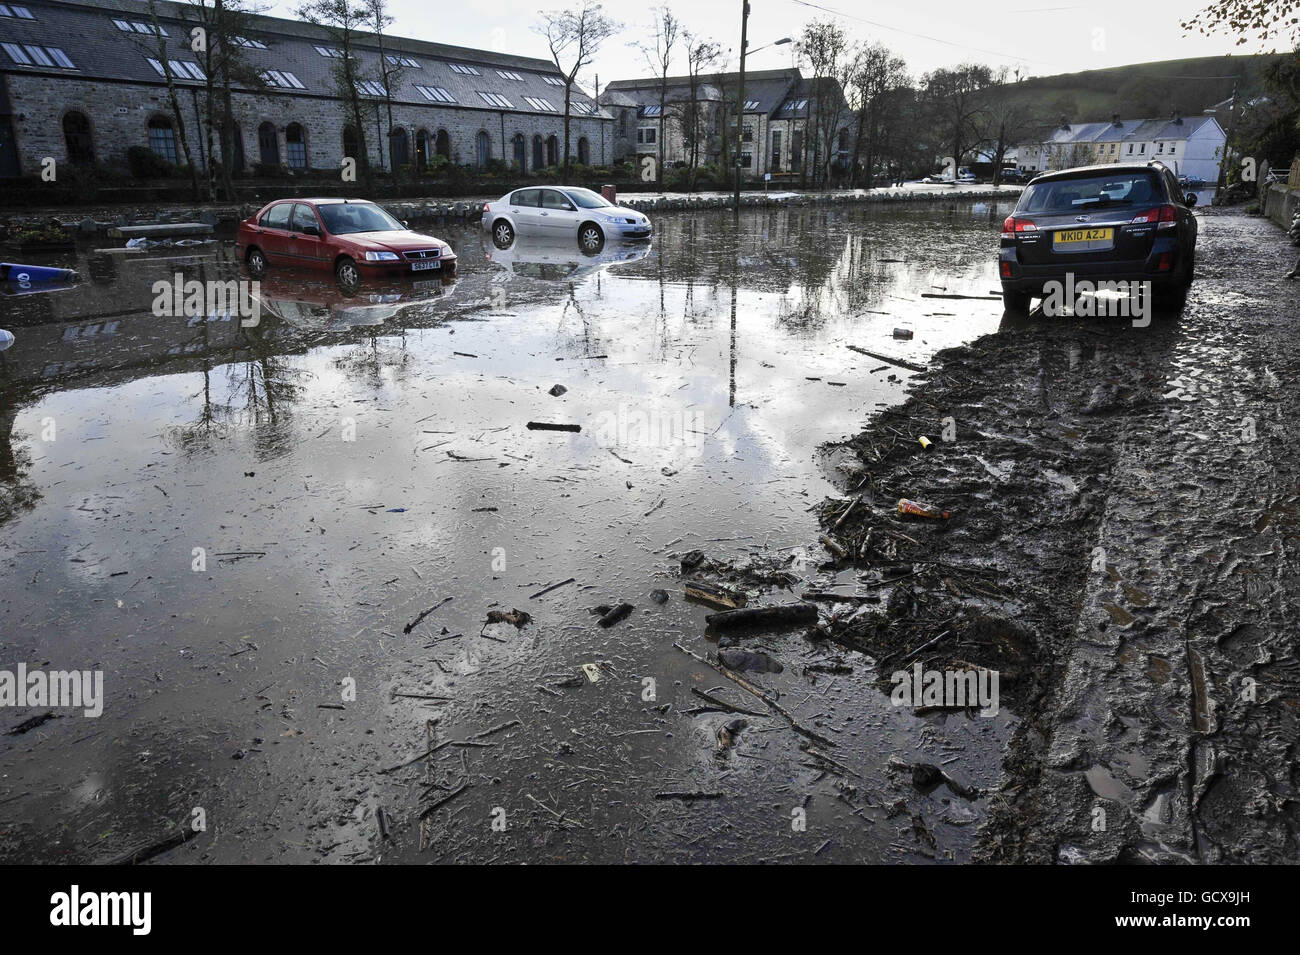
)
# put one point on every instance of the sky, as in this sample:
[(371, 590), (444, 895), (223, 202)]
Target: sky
[(1040, 37)]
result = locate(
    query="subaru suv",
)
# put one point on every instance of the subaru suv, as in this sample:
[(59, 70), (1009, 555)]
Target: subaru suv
[(1126, 222)]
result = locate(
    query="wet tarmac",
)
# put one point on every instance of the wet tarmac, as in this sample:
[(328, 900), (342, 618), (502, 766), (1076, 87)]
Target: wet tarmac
[(353, 461)]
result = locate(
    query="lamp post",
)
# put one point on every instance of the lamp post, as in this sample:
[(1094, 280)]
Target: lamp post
[(740, 94)]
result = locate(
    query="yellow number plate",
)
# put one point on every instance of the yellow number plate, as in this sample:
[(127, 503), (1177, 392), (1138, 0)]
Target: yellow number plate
[(1084, 235)]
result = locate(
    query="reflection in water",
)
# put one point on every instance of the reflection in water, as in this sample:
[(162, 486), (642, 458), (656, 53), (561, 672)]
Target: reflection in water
[(179, 432)]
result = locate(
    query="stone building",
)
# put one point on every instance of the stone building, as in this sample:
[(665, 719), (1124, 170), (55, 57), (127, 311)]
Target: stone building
[(81, 82), (779, 116)]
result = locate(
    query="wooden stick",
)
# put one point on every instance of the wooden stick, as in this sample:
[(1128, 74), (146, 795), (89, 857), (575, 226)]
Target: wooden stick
[(749, 687)]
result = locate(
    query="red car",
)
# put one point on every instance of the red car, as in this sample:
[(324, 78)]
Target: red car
[(352, 238)]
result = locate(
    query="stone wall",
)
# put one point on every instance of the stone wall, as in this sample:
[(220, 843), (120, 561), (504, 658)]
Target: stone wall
[(1281, 203), (119, 115)]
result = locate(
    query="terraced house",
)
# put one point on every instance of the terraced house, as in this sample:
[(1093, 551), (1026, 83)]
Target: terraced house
[(782, 131), (82, 82), (1189, 145)]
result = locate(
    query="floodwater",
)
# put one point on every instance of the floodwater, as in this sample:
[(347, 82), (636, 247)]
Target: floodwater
[(236, 525)]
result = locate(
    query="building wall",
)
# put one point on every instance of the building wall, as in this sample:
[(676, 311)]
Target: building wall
[(119, 114), (1203, 153)]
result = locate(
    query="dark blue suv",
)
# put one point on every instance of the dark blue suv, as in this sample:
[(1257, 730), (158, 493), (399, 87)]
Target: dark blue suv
[(1124, 222)]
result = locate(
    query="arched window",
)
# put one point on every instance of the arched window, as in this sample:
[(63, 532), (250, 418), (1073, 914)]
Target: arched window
[(295, 145), (268, 144), (399, 147), (539, 158), (422, 150), (584, 151), (553, 151), (353, 144), (162, 138), (482, 149), (443, 144), (76, 136), (519, 151)]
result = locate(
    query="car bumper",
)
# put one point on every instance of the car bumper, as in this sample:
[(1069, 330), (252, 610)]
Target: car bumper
[(446, 266), (1034, 278), (634, 233)]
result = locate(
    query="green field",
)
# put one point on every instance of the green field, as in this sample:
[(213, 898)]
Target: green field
[(1143, 90)]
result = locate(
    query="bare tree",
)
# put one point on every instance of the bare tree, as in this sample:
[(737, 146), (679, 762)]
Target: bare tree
[(956, 98), (158, 46), (1005, 120), (574, 36), (701, 54), (665, 33), (343, 20), (227, 24), (874, 78), (390, 67), (829, 54)]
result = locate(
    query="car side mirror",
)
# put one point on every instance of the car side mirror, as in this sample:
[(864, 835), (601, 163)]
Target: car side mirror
[(1190, 199), (311, 229), (405, 224)]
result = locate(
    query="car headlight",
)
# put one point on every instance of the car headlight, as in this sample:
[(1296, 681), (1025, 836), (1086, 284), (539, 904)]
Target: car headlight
[(381, 256)]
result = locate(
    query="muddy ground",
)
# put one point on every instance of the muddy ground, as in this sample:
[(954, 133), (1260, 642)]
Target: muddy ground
[(708, 371), (1122, 549)]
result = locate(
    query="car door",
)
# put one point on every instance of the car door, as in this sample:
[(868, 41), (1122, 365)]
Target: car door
[(559, 216), (273, 233), (306, 242), (524, 209)]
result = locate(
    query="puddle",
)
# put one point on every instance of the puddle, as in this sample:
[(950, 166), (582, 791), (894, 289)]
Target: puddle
[(237, 525)]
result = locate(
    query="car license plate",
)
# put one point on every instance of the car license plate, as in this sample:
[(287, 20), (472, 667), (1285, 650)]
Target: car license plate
[(421, 265), (1071, 236)]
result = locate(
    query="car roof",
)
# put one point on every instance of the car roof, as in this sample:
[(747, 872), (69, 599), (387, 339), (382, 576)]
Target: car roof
[(1103, 169)]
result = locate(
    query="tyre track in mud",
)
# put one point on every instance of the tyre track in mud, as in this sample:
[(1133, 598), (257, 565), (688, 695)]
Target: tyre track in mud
[(1122, 551)]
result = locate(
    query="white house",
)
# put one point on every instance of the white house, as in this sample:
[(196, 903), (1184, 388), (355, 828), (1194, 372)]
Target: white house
[(1191, 146)]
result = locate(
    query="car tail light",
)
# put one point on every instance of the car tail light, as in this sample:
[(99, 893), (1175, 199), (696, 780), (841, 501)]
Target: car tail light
[(1012, 225), (1166, 215), (1006, 270), (1165, 262)]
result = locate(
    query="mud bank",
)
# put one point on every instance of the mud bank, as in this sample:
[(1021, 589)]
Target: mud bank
[(1121, 549)]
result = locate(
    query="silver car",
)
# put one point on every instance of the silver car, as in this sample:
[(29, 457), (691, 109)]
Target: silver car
[(563, 212)]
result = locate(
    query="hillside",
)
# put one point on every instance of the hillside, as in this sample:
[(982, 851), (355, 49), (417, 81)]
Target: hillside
[(1143, 89)]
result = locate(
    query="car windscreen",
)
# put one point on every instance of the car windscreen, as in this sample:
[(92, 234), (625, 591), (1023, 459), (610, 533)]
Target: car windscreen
[(342, 218), (586, 199), (1093, 192)]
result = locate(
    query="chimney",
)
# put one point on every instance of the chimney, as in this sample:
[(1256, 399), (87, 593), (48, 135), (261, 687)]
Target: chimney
[(1176, 119), (1115, 120), (1065, 122)]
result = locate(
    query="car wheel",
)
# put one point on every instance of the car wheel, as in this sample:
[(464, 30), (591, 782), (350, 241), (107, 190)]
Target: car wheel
[(590, 239), (256, 263), (503, 234), (348, 274), (1017, 303)]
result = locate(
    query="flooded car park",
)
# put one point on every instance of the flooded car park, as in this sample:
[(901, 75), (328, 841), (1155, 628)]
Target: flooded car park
[(346, 463), (355, 572)]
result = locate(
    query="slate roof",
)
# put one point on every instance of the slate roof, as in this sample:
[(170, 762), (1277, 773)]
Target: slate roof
[(1129, 130), (766, 88), (85, 31)]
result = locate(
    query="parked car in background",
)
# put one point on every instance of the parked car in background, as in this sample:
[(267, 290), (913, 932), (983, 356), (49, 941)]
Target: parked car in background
[(352, 238), (565, 212), (1113, 223), (1014, 176)]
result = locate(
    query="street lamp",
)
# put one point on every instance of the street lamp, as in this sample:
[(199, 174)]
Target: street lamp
[(740, 93)]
